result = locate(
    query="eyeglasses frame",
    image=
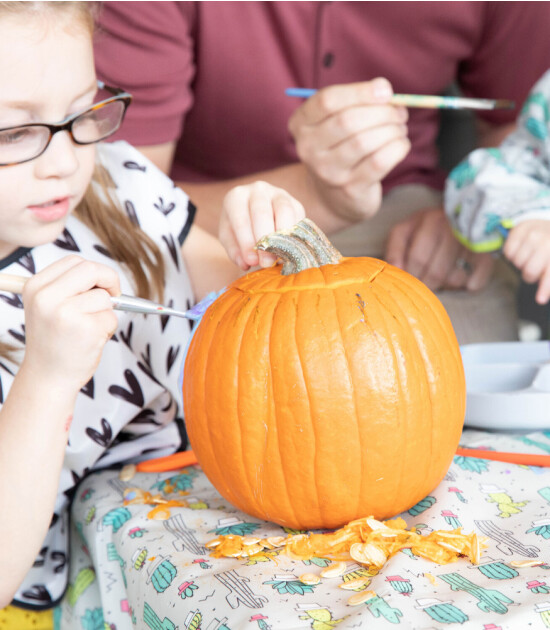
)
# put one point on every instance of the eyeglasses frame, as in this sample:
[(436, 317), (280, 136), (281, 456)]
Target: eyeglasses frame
[(66, 124)]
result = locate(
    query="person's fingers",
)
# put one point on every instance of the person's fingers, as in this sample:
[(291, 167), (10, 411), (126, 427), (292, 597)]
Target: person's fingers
[(422, 246), (86, 275), (343, 125), (398, 242), (52, 272), (441, 269), (482, 266), (287, 211), (262, 221), (236, 229), (535, 265), (542, 295), (327, 101), (360, 151)]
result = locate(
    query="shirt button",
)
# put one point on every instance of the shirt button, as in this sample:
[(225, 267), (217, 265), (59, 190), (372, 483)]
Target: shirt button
[(328, 59)]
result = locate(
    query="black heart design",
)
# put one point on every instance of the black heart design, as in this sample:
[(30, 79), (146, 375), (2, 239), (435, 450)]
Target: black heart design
[(27, 262), (103, 250), (172, 249), (104, 438), (20, 336), (61, 559), (134, 395), (131, 211), (39, 562), (67, 242), (147, 416), (127, 337), (134, 166), (164, 209), (172, 355), (88, 389), (38, 592), (165, 318), (12, 300)]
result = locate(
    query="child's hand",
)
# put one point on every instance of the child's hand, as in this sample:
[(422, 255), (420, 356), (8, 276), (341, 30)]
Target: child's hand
[(68, 319), (250, 212), (528, 248)]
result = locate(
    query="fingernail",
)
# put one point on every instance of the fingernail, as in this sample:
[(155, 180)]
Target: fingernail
[(381, 89)]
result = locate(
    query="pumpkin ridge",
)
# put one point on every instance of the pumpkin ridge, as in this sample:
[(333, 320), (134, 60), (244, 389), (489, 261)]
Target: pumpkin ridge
[(238, 411), (419, 304), (415, 305), (337, 310), (439, 318), (210, 422), (280, 449), (307, 390), (402, 428)]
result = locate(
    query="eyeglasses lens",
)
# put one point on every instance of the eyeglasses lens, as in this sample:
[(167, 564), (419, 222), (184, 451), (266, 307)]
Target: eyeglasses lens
[(22, 143), (96, 124)]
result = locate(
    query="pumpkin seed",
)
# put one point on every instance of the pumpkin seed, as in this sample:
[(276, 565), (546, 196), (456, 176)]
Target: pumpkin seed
[(127, 472), (368, 553), (250, 540), (276, 541), (212, 543), (355, 585), (521, 564), (360, 598), (251, 550), (336, 569), (309, 578)]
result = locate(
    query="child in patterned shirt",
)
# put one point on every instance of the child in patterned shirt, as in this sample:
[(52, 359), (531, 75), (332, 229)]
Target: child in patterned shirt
[(500, 198), (81, 386)]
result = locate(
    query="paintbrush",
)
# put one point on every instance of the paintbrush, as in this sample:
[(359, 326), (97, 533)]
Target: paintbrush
[(426, 100), (15, 284)]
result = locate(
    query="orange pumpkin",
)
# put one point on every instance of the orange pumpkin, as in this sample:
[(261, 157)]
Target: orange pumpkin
[(329, 394)]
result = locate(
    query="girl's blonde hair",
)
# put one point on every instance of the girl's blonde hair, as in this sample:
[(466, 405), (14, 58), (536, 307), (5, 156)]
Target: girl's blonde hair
[(99, 209)]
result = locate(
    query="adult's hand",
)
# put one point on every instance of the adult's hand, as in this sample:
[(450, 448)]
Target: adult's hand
[(424, 245), (349, 138)]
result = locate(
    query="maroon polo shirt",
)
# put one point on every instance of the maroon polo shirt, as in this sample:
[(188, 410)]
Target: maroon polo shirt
[(212, 75)]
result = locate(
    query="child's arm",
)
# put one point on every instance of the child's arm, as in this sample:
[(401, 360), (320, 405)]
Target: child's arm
[(248, 213), (494, 189), (68, 319), (528, 248)]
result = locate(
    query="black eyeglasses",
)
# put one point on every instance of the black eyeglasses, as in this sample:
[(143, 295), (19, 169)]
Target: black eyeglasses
[(26, 142)]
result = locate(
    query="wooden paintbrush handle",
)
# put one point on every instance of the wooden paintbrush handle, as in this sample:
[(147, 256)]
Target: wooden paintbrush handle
[(11, 283)]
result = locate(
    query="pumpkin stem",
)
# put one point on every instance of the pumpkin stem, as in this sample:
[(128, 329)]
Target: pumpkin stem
[(302, 247)]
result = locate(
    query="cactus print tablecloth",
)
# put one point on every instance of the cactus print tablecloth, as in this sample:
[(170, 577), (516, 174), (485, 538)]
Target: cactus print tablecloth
[(129, 571)]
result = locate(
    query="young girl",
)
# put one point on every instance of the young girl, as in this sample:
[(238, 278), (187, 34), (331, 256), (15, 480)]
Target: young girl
[(500, 198), (83, 386)]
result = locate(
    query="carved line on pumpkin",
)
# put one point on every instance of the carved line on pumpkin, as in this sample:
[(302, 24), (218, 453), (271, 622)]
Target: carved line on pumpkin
[(314, 286)]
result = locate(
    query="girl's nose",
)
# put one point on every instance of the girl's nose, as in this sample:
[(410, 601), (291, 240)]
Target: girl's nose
[(59, 159)]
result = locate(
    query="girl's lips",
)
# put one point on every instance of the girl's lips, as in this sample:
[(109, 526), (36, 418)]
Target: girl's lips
[(51, 211)]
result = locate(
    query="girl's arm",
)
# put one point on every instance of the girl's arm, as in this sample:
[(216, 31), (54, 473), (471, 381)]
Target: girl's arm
[(248, 213), (68, 319)]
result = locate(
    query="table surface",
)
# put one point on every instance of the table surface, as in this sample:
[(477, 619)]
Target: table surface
[(129, 571)]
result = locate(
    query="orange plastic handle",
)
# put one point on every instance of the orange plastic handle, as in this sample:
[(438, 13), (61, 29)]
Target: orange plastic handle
[(526, 459), (188, 458), (170, 462)]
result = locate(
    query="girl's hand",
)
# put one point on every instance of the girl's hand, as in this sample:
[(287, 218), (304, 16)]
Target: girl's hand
[(250, 212), (528, 248), (68, 320)]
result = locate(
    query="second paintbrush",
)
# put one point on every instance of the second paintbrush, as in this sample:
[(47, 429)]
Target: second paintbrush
[(426, 100)]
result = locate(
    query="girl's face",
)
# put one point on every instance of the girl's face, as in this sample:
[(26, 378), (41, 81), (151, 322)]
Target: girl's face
[(46, 74)]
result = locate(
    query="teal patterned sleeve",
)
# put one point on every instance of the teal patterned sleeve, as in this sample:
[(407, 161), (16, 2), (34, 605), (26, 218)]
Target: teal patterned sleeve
[(492, 190)]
